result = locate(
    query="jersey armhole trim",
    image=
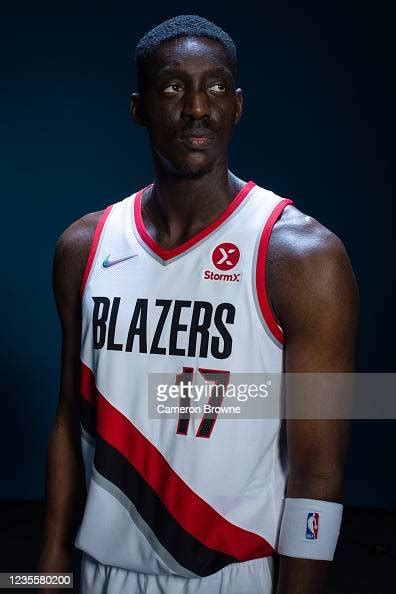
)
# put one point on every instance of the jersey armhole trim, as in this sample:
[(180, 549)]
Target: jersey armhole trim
[(94, 246), (262, 296)]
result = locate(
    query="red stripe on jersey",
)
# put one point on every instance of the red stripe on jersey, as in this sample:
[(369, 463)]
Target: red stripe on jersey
[(187, 507), (168, 254), (88, 389), (94, 245), (260, 271)]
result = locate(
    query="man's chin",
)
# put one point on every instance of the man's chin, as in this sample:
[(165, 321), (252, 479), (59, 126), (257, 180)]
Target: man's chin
[(194, 171), (182, 166)]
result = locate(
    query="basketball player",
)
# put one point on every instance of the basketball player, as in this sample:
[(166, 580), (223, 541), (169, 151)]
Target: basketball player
[(199, 271)]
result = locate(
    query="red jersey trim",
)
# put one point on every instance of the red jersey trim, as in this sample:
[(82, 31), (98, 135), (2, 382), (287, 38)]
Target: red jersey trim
[(205, 524), (94, 245), (168, 254), (269, 318), (87, 385)]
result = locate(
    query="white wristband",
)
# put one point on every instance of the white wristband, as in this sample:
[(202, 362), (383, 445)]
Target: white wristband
[(309, 528)]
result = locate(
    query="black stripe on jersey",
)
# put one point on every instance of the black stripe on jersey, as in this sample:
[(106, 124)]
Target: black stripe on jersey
[(185, 548), (88, 416)]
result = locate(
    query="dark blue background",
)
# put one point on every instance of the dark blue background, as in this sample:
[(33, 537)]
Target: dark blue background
[(318, 109)]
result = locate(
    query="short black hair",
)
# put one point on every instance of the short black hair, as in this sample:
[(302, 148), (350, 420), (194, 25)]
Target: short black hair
[(190, 25)]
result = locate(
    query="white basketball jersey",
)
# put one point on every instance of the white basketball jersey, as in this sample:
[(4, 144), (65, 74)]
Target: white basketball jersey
[(187, 495)]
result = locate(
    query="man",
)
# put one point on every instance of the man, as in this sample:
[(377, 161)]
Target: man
[(198, 274)]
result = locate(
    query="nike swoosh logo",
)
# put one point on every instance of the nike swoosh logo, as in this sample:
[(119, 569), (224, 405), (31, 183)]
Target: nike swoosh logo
[(107, 262)]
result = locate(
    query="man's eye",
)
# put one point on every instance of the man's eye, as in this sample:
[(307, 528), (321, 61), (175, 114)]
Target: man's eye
[(218, 88), (172, 89)]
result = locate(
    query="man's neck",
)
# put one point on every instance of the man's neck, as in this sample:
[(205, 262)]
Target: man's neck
[(176, 208)]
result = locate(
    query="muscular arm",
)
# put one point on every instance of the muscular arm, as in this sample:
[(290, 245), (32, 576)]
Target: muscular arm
[(65, 483), (314, 297)]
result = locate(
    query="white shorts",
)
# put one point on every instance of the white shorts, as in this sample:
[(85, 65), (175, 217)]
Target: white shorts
[(249, 577)]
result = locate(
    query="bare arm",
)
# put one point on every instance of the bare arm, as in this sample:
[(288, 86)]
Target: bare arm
[(65, 490), (315, 299)]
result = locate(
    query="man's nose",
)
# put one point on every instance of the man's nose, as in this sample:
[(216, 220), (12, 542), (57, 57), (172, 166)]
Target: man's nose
[(196, 105)]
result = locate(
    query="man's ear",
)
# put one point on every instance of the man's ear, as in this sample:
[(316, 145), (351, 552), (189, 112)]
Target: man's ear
[(239, 101), (135, 111)]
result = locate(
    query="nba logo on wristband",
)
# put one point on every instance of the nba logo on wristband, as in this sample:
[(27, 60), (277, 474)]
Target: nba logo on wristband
[(312, 526)]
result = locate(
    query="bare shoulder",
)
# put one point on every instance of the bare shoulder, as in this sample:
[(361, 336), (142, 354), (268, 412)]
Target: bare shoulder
[(306, 260), (77, 238), (71, 255)]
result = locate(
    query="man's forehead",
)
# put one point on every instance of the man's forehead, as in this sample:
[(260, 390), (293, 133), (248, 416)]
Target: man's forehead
[(182, 52)]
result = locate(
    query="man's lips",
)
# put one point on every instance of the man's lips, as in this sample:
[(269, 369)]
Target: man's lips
[(198, 138)]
